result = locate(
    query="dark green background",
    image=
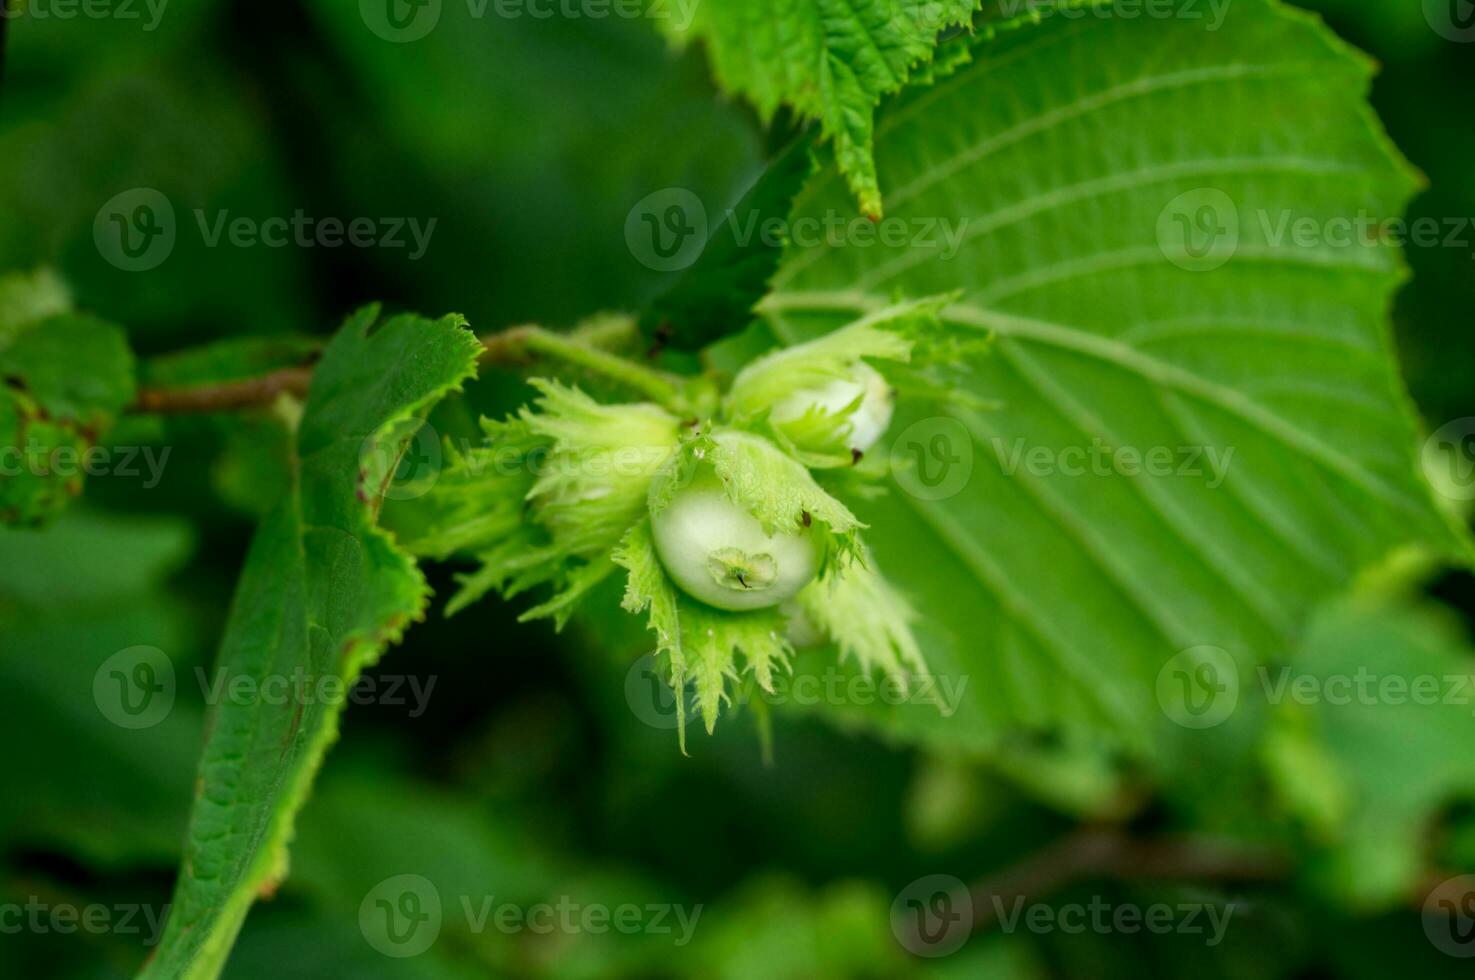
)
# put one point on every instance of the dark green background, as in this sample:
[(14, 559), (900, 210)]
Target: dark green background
[(528, 777)]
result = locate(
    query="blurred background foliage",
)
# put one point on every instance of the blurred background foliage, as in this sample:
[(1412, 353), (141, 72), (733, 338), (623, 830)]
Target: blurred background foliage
[(527, 776)]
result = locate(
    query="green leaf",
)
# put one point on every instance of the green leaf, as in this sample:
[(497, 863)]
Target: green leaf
[(1372, 728), (28, 297), (1057, 583), (64, 379), (830, 60), (323, 593), (732, 273)]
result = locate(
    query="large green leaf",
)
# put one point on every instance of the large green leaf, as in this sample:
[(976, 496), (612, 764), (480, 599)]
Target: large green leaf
[(324, 591), (1067, 162), (830, 60)]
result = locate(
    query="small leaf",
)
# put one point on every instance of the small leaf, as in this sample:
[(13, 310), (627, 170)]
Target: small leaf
[(64, 378), (830, 60), (716, 295)]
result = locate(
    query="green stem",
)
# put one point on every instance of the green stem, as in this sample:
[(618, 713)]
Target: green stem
[(584, 348), (680, 394)]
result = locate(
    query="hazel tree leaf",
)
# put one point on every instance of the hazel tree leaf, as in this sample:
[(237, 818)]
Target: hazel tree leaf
[(1201, 431), (64, 378), (26, 297), (830, 60), (323, 593), (732, 272)]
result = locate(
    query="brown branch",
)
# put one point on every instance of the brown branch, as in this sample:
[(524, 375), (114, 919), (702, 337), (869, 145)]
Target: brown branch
[(1108, 852), (225, 396), (514, 346), (1104, 852)]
